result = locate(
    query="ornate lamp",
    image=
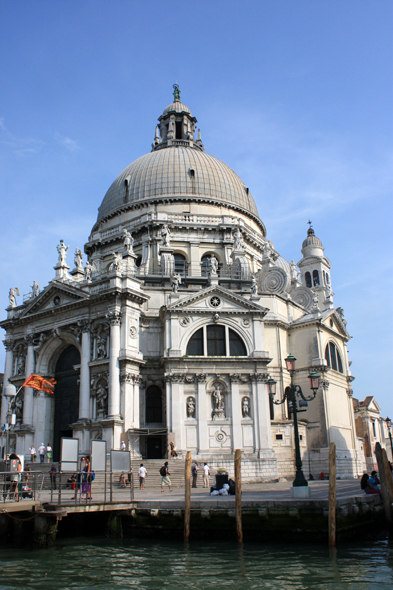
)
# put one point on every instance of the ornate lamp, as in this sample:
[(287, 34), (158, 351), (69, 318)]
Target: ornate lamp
[(314, 380), (271, 387), (290, 363)]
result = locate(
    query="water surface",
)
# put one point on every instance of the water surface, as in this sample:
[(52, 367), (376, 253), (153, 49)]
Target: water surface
[(119, 564)]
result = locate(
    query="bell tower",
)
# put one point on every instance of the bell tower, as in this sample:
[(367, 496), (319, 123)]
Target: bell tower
[(315, 269)]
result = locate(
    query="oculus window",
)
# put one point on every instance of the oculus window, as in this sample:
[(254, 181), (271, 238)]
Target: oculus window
[(216, 340)]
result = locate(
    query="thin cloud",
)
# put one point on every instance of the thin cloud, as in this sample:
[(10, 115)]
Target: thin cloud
[(22, 146), (70, 144)]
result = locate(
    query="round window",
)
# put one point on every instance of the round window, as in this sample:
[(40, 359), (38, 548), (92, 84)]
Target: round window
[(215, 301)]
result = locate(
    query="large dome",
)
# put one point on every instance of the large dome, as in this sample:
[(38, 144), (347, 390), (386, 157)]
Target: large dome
[(177, 173)]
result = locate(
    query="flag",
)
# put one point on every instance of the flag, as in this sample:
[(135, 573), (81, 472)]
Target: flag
[(38, 382)]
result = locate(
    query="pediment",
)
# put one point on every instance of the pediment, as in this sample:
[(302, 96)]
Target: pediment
[(338, 323), (373, 406), (54, 297), (216, 299)]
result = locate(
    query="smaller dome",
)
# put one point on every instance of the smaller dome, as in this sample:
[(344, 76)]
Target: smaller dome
[(177, 107), (311, 240)]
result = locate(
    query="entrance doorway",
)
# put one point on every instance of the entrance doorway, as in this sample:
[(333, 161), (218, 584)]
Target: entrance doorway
[(66, 397), (154, 446)]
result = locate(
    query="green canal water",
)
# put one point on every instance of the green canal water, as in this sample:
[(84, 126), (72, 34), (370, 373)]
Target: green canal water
[(106, 564)]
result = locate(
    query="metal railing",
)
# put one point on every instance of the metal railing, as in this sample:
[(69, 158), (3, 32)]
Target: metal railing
[(107, 486), (16, 486)]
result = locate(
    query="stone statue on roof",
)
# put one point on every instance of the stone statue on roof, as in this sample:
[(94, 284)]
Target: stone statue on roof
[(62, 250)]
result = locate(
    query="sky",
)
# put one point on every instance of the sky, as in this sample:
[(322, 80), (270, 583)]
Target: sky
[(296, 97)]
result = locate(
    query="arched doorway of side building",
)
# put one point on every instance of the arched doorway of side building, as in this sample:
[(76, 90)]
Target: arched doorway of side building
[(66, 397)]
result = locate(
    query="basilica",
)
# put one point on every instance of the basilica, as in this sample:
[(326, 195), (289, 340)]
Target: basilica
[(169, 325)]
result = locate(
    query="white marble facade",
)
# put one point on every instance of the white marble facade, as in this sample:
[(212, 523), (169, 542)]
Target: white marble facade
[(181, 312)]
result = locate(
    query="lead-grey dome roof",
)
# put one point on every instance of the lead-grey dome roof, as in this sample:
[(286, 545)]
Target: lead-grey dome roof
[(177, 173)]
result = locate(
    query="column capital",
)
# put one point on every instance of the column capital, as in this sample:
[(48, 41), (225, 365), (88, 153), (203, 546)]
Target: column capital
[(84, 325), (114, 317), (175, 378), (238, 378), (259, 377), (200, 378), (8, 344), (29, 339)]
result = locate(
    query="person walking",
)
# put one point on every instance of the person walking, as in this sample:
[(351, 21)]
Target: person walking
[(142, 472), (194, 473), (165, 479), (48, 453), (33, 453), (41, 452), (206, 473)]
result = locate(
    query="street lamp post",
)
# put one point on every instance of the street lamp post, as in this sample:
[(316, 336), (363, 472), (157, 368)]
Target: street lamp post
[(292, 393), (389, 426)]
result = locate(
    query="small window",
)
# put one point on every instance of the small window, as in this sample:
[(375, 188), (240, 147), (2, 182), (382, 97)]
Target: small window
[(278, 436), (333, 358), (374, 429), (192, 172), (315, 278), (138, 261), (180, 265), (195, 344), (300, 437), (179, 134), (308, 280)]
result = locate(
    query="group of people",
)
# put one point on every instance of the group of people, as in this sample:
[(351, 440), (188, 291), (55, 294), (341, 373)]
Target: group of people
[(84, 479), (370, 484), (194, 474), (42, 450)]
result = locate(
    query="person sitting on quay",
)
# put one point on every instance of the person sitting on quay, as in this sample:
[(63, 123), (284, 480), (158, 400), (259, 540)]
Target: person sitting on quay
[(173, 450), (368, 487), (122, 480), (71, 481)]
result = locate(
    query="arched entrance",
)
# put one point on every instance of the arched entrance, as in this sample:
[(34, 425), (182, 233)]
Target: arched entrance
[(66, 396)]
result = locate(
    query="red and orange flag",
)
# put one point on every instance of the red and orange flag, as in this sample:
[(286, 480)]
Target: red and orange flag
[(38, 382)]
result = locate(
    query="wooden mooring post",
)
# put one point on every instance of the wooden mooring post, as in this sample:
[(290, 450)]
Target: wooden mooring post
[(385, 478), (238, 497), (187, 496), (332, 494)]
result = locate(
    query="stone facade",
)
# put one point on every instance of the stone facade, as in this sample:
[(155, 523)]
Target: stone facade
[(181, 313)]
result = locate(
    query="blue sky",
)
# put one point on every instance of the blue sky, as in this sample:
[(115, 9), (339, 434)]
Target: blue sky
[(295, 96)]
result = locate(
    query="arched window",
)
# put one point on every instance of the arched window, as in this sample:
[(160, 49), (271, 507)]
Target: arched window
[(236, 345), (308, 279), (220, 341), (180, 265), (333, 357), (324, 278), (315, 278), (153, 404), (195, 344)]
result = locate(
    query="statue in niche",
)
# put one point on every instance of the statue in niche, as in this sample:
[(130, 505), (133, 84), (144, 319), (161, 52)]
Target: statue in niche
[(20, 363), (218, 404), (175, 282), (165, 235), (128, 242), (102, 400), (101, 347), (116, 262), (238, 243), (62, 250), (12, 296), (212, 264), (190, 407), (88, 271), (35, 289), (246, 407), (17, 408), (78, 259), (254, 286)]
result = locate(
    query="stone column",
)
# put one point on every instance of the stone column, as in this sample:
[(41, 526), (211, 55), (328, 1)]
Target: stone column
[(203, 441), (236, 413), (114, 367), (84, 387), (263, 412), (177, 381), (136, 417), (9, 363), (28, 393)]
